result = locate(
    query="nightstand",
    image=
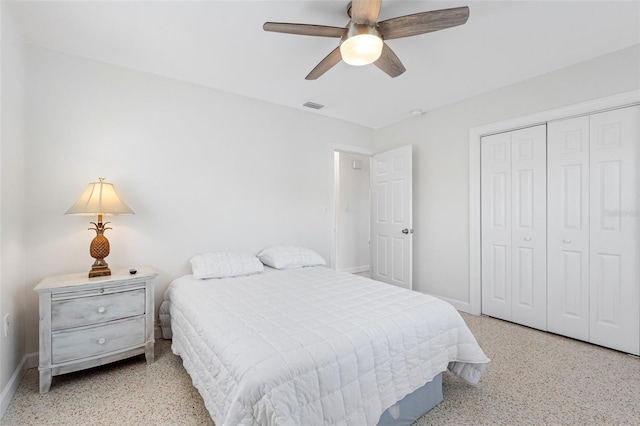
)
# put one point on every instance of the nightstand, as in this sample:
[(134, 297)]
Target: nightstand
[(87, 322)]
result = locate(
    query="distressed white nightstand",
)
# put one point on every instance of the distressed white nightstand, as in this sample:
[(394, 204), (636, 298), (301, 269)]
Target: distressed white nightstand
[(86, 322)]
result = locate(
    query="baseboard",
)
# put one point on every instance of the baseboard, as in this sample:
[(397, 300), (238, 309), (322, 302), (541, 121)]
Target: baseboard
[(14, 381), (33, 359), (356, 269), (458, 304)]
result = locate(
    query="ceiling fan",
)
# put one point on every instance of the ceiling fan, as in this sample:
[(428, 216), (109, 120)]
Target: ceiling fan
[(362, 40)]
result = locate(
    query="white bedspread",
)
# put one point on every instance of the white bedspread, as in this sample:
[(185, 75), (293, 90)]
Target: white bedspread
[(312, 346)]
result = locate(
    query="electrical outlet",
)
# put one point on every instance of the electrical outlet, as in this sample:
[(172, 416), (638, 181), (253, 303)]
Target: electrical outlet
[(7, 324)]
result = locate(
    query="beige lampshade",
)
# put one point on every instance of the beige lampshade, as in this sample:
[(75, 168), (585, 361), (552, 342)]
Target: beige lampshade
[(99, 198)]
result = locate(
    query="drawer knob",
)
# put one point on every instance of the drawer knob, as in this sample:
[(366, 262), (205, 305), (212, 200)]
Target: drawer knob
[(101, 341), (102, 290), (101, 309)]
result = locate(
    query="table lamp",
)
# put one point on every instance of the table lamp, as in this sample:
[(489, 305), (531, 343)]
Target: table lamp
[(100, 198)]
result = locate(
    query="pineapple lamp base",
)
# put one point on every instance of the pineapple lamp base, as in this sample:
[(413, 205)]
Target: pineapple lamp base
[(99, 249)]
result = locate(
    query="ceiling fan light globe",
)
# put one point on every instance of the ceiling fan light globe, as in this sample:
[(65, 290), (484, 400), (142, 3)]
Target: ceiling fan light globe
[(361, 49)]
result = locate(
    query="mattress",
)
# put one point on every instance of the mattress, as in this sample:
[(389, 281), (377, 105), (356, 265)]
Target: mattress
[(312, 345)]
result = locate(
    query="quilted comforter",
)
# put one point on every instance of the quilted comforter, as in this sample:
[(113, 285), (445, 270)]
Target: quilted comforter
[(312, 346)]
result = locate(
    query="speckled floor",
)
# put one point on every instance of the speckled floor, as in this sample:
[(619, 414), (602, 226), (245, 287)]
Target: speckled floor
[(534, 378)]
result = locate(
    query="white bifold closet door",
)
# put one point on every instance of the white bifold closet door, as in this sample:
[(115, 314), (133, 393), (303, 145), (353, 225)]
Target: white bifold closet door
[(593, 242), (568, 225), (513, 181)]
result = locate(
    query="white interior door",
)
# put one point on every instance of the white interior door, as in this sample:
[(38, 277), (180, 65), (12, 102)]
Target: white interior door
[(513, 205), (529, 226), (495, 154), (391, 217), (568, 228), (615, 255)]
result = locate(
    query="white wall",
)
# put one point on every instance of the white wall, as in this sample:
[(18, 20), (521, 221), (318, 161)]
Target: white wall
[(12, 244), (352, 213), (203, 170), (441, 158)]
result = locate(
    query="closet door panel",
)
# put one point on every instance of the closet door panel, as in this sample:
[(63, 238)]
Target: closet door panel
[(496, 225), (529, 227), (614, 290), (568, 227)]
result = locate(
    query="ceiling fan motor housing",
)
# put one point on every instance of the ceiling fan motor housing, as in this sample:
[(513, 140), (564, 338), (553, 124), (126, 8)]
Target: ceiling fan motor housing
[(354, 29)]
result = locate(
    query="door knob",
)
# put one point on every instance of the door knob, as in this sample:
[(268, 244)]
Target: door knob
[(407, 231)]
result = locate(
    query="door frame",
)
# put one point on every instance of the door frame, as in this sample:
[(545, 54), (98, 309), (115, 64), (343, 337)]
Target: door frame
[(598, 105), (331, 204)]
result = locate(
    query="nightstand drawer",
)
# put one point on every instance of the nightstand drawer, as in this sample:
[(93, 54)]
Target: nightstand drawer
[(96, 309), (91, 341)]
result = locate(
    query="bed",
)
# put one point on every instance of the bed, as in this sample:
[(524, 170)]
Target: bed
[(311, 346)]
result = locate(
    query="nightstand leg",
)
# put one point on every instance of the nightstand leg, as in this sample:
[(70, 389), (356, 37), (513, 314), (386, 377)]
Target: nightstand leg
[(45, 380), (149, 352)]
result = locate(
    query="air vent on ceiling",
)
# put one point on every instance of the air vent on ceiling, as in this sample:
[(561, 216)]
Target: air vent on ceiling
[(312, 105)]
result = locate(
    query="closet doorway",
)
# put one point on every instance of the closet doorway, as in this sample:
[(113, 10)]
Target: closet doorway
[(473, 306), (586, 285), (352, 178)]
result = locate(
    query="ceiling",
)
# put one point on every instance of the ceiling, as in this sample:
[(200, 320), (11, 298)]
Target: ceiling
[(221, 44)]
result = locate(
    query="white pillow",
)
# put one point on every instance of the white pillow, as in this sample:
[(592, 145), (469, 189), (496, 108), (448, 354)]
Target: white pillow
[(220, 265), (289, 257)]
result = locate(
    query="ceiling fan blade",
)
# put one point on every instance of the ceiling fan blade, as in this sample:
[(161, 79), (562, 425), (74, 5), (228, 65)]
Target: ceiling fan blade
[(365, 11), (304, 29), (425, 22), (389, 62), (326, 64)]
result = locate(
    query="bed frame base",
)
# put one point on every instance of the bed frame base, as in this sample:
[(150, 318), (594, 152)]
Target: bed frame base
[(415, 405)]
